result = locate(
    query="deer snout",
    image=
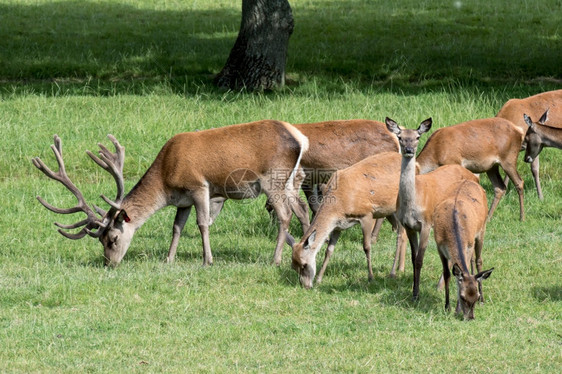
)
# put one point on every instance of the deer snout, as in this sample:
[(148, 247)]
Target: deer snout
[(409, 152), (528, 159), (306, 275)]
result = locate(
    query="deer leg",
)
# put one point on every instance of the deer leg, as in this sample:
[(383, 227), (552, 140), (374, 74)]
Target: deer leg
[(376, 230), (334, 236), (511, 170), (499, 188), (458, 309), (414, 243), (215, 207), (446, 278), (535, 172), (401, 243), (400, 254), (418, 264), (300, 208), (478, 244), (368, 226), (312, 197), (283, 212), (182, 215), (202, 208)]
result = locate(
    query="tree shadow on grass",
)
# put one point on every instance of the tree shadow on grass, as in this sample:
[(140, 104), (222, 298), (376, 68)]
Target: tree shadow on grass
[(110, 48)]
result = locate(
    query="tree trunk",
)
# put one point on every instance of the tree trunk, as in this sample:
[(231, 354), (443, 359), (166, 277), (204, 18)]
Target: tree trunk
[(257, 60)]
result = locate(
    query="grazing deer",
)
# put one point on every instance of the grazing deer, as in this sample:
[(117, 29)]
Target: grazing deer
[(459, 228), (200, 169), (363, 193), (540, 135), (534, 106), (481, 145), (418, 195), (336, 145)]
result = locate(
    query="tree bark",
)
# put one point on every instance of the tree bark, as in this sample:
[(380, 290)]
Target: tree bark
[(257, 60)]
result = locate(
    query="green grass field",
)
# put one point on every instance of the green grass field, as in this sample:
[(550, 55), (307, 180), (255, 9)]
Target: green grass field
[(142, 70)]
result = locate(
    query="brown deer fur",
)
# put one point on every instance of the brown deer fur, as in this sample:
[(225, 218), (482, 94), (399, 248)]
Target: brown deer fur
[(539, 135), (203, 169), (481, 145), (459, 228), (534, 106), (335, 145), (360, 194), (418, 195)]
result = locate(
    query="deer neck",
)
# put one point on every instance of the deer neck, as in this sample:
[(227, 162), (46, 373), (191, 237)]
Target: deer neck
[(145, 199), (550, 137), (458, 250), (407, 187), (407, 211)]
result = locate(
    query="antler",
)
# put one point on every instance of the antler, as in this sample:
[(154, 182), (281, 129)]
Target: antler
[(92, 222), (113, 163)]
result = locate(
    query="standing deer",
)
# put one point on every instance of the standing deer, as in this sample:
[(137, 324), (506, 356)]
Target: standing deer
[(534, 106), (481, 145), (361, 193), (540, 135), (418, 195), (200, 169), (459, 228)]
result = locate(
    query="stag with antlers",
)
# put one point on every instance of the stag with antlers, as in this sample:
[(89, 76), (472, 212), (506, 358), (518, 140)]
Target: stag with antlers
[(201, 169)]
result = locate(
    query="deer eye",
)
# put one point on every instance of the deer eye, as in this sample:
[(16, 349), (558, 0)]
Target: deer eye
[(113, 239)]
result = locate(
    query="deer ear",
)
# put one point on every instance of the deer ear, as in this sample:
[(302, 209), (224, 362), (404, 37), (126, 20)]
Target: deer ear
[(310, 240), (425, 126), (122, 216), (457, 272), (483, 275), (392, 126), (544, 118), (528, 120)]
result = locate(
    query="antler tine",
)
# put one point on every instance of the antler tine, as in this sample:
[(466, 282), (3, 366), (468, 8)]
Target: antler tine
[(92, 221), (73, 226), (94, 234), (79, 235), (100, 211), (112, 163)]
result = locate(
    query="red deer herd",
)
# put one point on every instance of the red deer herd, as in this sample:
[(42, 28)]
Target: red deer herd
[(354, 171)]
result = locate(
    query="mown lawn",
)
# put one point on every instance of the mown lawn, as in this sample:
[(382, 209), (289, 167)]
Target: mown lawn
[(141, 70)]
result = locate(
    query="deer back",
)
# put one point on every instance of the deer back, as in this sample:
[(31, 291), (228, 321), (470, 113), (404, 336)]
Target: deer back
[(534, 106), (339, 144), (458, 220), (190, 160), (436, 186), (367, 187), (476, 145)]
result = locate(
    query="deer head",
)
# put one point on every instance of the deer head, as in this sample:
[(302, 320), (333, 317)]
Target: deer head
[(304, 260), (112, 228), (533, 140), (408, 139), (468, 290)]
